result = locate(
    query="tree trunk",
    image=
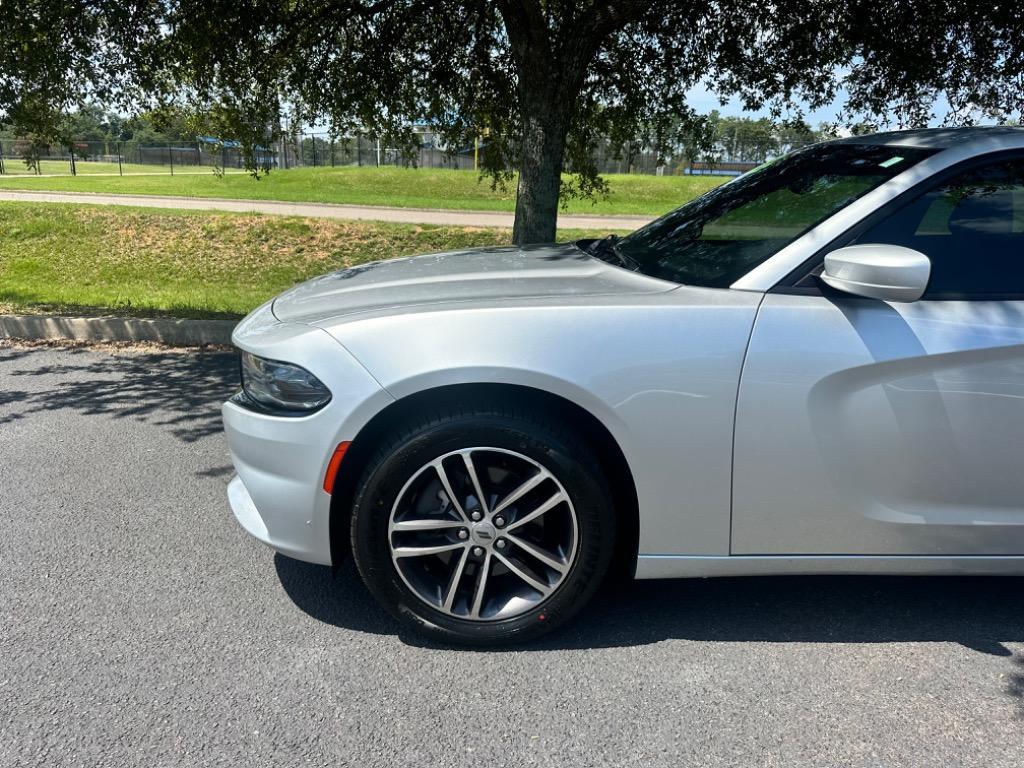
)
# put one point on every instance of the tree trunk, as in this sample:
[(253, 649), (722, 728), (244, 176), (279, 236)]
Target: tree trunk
[(551, 68), (540, 174)]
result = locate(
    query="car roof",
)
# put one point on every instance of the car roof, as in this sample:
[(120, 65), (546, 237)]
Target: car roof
[(939, 138)]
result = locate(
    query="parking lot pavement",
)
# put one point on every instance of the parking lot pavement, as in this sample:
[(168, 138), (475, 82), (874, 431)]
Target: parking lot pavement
[(140, 626)]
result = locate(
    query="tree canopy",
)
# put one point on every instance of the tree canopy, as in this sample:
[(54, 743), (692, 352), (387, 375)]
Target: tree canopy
[(541, 81), (92, 123)]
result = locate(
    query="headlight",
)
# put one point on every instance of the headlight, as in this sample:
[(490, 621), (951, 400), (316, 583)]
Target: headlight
[(282, 386)]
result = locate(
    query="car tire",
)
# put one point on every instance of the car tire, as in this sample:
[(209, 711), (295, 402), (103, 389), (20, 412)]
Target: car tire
[(508, 448)]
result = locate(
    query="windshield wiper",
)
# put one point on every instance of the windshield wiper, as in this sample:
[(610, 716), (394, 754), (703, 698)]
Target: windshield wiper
[(610, 246)]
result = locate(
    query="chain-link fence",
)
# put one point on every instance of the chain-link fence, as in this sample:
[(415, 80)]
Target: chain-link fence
[(114, 158), (205, 155), (322, 150), (316, 150)]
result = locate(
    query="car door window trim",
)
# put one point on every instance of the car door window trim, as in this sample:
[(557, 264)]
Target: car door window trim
[(790, 284)]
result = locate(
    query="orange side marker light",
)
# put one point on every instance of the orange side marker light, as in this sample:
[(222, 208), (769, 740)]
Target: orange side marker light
[(334, 465)]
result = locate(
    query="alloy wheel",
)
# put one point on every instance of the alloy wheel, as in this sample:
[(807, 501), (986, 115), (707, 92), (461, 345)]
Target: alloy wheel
[(483, 534)]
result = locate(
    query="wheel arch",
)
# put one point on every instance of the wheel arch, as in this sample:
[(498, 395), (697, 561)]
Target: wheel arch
[(613, 460)]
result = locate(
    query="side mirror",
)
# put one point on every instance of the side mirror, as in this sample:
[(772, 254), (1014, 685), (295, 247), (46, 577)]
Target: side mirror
[(886, 272)]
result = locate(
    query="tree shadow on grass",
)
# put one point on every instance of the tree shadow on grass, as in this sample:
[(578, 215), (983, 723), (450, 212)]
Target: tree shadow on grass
[(179, 390)]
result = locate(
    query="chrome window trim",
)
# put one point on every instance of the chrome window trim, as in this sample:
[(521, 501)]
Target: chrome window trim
[(769, 273)]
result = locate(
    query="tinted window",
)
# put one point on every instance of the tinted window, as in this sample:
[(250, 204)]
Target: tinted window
[(722, 235), (972, 229)]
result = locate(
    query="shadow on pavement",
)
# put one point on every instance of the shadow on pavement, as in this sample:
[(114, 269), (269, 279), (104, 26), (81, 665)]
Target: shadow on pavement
[(178, 390), (980, 613), (336, 598)]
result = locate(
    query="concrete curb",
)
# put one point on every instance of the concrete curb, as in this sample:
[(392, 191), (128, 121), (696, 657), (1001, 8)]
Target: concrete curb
[(174, 332)]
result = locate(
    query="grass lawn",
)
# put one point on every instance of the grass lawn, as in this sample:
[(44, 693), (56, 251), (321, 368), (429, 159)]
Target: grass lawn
[(399, 187), (146, 262)]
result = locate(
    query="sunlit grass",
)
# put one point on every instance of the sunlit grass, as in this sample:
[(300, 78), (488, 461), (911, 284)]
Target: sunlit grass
[(400, 187), (146, 262)]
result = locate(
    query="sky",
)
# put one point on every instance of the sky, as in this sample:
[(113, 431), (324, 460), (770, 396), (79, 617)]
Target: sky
[(703, 101)]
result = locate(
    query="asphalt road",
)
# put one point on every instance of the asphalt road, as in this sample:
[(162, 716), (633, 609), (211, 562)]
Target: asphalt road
[(140, 626)]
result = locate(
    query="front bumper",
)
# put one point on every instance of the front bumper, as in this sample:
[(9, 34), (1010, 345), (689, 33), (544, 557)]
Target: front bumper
[(277, 495), (280, 461), (252, 521)]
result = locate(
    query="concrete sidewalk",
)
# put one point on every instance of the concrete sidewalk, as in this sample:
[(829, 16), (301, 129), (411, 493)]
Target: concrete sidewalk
[(323, 210)]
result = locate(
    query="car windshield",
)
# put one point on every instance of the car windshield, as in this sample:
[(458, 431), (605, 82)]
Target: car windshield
[(717, 238)]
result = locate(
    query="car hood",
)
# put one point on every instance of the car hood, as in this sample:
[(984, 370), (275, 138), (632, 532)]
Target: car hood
[(480, 274)]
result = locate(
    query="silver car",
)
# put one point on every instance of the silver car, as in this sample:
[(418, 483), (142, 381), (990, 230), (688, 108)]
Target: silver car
[(815, 368)]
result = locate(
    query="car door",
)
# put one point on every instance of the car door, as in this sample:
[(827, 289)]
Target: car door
[(872, 428)]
